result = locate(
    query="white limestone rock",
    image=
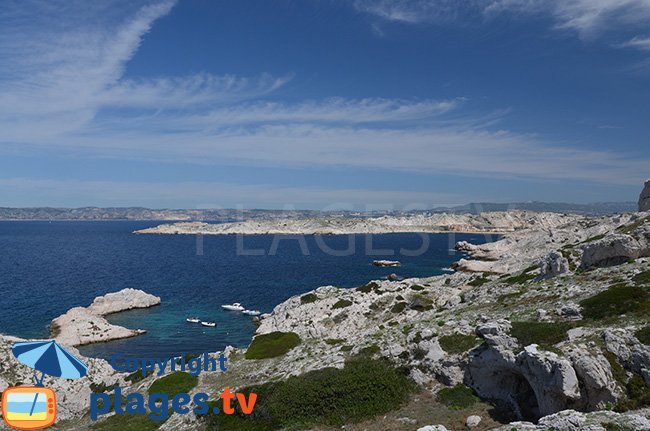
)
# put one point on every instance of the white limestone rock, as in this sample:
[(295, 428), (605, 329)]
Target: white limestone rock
[(85, 325), (644, 197), (472, 421), (553, 264)]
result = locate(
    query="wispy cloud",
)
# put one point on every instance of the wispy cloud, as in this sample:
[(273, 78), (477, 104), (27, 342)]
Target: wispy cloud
[(642, 43), (588, 18)]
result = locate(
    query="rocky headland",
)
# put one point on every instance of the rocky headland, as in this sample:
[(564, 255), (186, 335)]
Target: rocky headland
[(85, 325)]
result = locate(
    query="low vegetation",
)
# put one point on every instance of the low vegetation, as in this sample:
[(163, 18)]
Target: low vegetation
[(544, 334), (342, 303), (420, 302), (459, 397), (458, 343), (643, 335), (271, 345), (618, 299), (398, 307), (369, 287), (478, 281), (173, 384), (308, 298), (364, 388)]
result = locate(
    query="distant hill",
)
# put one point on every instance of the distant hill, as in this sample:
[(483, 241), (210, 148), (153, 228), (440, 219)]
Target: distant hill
[(597, 208), (226, 215)]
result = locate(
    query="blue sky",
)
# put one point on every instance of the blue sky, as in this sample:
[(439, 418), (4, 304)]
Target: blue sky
[(323, 103)]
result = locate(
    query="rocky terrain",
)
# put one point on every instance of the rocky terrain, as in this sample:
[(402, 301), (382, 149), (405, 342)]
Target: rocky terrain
[(85, 325), (545, 329), (489, 222)]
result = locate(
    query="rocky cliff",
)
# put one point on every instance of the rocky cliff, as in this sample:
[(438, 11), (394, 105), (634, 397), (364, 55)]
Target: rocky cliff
[(644, 198)]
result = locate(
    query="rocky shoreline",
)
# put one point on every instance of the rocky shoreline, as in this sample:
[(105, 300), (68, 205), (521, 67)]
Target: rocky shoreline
[(86, 325), (487, 223)]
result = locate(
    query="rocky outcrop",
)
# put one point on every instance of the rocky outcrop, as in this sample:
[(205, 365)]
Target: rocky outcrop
[(571, 420), (85, 325), (628, 350), (644, 198), (617, 248), (534, 382), (553, 264)]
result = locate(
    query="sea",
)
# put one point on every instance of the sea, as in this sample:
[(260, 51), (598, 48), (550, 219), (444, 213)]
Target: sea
[(47, 268)]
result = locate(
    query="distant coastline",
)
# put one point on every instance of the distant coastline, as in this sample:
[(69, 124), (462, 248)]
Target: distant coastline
[(230, 215)]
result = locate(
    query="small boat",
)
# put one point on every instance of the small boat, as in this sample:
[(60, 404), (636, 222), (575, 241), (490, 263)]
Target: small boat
[(209, 324), (233, 307), (193, 320), (252, 312)]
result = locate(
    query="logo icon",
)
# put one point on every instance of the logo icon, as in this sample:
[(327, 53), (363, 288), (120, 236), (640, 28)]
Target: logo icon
[(28, 407), (34, 407)]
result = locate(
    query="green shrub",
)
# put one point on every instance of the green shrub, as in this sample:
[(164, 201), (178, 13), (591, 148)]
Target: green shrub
[(520, 279), (364, 388), (643, 335), (618, 299), (545, 334), (346, 348), (618, 372), (173, 384), (334, 341), (458, 343), (416, 287), (459, 397), (420, 302), (638, 395), (101, 387), (367, 288), (272, 345), (398, 307), (642, 277), (342, 303), (478, 281), (308, 298), (594, 238)]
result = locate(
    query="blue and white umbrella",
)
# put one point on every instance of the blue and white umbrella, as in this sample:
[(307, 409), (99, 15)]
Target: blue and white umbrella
[(49, 358)]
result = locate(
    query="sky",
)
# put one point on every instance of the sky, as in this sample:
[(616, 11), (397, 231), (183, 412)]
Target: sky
[(323, 104)]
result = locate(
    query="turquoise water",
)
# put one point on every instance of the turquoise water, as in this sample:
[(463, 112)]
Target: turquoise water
[(48, 268)]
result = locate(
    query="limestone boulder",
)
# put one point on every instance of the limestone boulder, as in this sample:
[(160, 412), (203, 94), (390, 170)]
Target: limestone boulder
[(644, 198)]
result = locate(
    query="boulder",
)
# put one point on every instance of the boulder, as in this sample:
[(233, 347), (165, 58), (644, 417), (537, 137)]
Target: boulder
[(614, 249), (598, 384), (570, 311), (433, 428), (644, 198), (472, 421), (553, 264)]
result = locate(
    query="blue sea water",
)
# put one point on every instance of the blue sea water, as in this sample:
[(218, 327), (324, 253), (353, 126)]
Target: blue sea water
[(48, 267)]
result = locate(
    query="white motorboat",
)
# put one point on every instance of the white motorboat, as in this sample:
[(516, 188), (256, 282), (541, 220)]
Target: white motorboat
[(252, 312), (234, 307), (193, 320), (209, 324)]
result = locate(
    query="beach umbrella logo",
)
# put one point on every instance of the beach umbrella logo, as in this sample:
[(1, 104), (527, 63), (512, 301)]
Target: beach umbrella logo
[(34, 407)]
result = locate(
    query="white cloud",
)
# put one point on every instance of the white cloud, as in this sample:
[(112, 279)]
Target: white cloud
[(587, 17), (642, 43), (64, 62)]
